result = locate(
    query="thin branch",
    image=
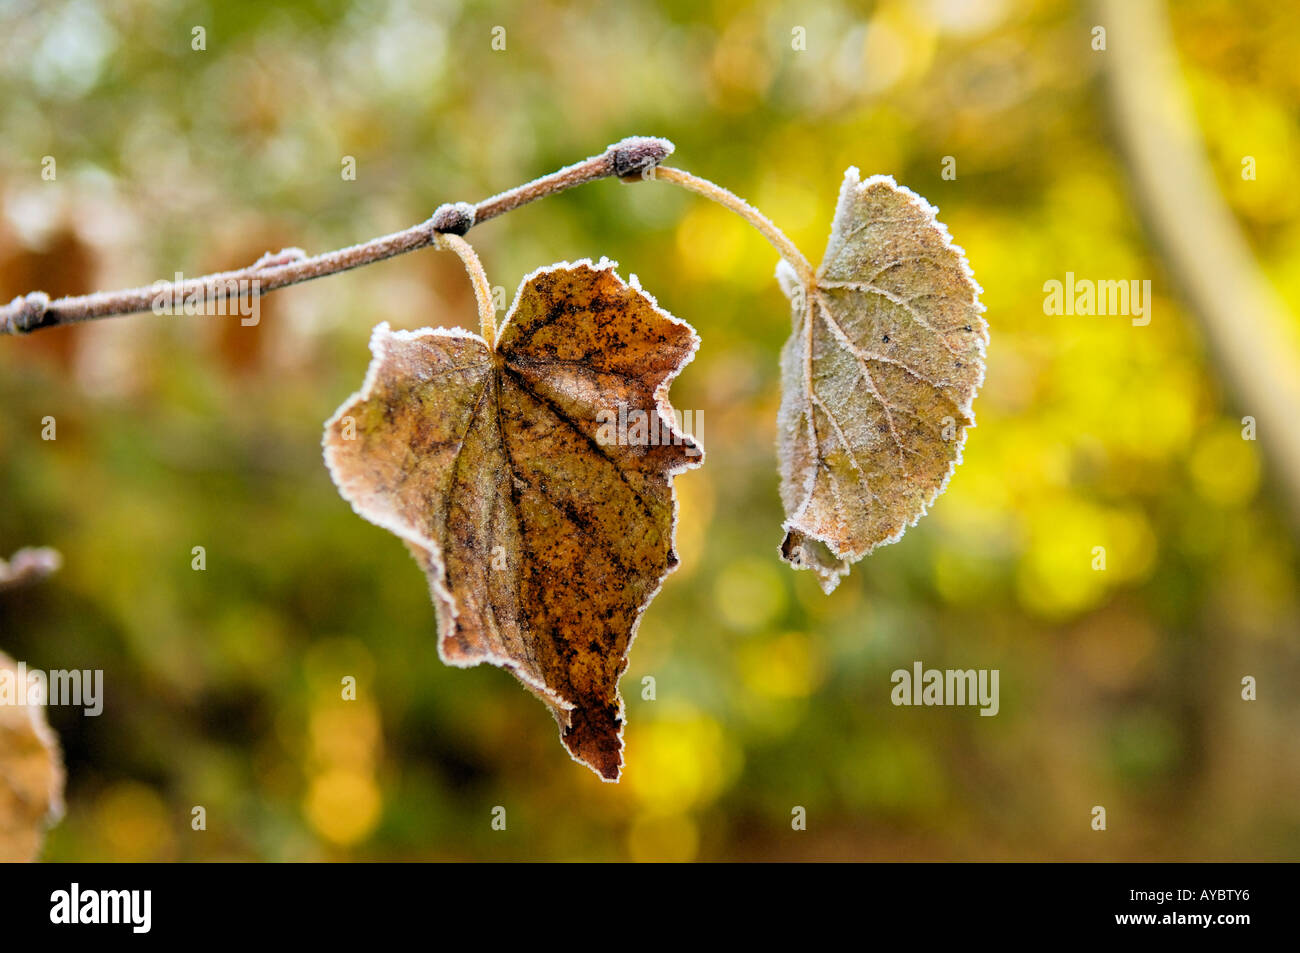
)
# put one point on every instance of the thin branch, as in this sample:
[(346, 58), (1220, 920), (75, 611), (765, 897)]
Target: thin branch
[(710, 190), (629, 159)]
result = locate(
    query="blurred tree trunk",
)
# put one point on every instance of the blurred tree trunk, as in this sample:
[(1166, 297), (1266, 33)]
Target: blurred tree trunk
[(1249, 332)]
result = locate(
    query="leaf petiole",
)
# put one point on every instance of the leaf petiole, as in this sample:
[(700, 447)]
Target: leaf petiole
[(487, 315), (729, 200)]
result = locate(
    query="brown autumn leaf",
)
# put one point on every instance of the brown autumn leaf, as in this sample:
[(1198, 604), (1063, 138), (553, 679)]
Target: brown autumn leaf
[(31, 773), (543, 538), (878, 377)]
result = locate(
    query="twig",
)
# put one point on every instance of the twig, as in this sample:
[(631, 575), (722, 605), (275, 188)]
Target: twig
[(629, 159)]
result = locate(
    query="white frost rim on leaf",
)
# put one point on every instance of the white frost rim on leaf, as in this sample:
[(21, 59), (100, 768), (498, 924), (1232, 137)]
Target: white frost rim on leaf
[(661, 405), (789, 281), (379, 340)]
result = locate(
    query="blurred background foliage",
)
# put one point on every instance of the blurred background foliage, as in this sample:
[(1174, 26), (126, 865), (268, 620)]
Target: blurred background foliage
[(1119, 688)]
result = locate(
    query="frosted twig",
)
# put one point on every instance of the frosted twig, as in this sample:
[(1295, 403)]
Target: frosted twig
[(629, 159)]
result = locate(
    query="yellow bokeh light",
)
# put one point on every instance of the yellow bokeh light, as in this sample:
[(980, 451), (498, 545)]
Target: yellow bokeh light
[(680, 761), (789, 666), (694, 513), (750, 593), (346, 733), (1077, 550), (135, 823), (1225, 466), (711, 242), (1132, 542), (343, 805), (663, 838)]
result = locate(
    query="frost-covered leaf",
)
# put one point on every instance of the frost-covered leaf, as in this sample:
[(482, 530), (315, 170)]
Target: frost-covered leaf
[(878, 377), (31, 770), (543, 539)]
